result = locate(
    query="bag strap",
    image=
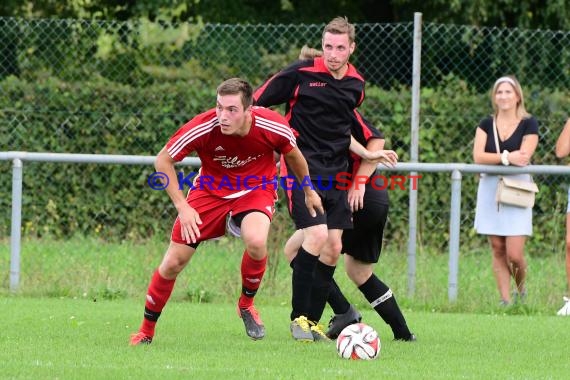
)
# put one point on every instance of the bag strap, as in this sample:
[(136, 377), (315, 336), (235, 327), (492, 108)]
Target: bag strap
[(497, 143), (498, 151), (495, 135)]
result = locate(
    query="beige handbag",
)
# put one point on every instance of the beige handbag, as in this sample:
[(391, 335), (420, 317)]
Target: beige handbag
[(515, 192), (511, 191)]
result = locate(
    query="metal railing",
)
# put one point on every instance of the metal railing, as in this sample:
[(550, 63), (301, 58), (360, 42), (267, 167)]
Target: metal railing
[(108, 86), (455, 169)]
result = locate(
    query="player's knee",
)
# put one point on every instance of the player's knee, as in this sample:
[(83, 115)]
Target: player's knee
[(256, 245), (316, 237), (171, 267), (359, 275), (335, 247), (175, 259)]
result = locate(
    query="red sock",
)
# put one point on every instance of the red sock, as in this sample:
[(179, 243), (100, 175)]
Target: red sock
[(159, 290), (251, 274)]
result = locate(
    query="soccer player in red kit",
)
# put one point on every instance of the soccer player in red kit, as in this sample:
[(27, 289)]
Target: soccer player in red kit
[(235, 143)]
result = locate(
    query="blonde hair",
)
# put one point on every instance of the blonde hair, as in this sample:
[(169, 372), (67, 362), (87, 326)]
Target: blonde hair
[(309, 52), (340, 25), (512, 80)]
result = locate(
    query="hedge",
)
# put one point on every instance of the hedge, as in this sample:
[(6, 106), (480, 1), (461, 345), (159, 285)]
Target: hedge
[(114, 202)]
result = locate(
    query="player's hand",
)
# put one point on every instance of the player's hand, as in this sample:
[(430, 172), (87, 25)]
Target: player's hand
[(313, 203), (356, 196), (388, 158), (189, 224)]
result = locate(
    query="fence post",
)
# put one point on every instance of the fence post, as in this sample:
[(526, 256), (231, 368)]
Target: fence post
[(454, 231), (413, 206), (15, 236)]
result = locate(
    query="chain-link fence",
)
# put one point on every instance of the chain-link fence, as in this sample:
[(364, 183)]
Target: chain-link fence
[(78, 86)]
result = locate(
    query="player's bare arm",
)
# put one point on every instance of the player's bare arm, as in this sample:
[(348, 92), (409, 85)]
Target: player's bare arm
[(387, 158), (189, 218), (298, 165), (365, 170)]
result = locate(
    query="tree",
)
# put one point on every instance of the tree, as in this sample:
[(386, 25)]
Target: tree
[(530, 14)]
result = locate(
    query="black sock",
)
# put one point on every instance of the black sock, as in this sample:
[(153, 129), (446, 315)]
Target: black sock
[(320, 290), (384, 302), (302, 281), (338, 302)]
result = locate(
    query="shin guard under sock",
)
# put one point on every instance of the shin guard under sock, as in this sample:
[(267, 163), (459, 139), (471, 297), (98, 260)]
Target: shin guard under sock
[(251, 275), (337, 301), (302, 281), (383, 301), (320, 290), (158, 293)]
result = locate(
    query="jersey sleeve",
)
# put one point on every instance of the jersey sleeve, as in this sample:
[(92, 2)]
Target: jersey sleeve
[(285, 139), (279, 88), (282, 137), (276, 129), (363, 130), (187, 138)]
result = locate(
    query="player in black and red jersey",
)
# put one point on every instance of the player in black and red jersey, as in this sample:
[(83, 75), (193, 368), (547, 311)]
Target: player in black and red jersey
[(362, 245), (322, 96), (236, 143)]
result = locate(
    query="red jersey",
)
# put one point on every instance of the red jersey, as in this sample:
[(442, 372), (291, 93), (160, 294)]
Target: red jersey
[(234, 165)]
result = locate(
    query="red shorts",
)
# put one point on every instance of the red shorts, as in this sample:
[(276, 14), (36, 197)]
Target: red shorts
[(213, 211)]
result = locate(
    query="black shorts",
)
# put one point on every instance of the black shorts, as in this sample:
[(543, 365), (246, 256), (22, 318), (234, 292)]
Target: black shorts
[(335, 202), (364, 240)]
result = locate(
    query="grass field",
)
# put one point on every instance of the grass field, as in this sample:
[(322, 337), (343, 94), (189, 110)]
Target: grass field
[(92, 269), (51, 338), (80, 299)]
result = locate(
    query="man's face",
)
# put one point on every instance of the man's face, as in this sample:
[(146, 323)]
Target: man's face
[(336, 51), (231, 115)]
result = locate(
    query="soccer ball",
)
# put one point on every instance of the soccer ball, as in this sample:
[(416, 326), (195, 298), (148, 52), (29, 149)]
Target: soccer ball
[(358, 342)]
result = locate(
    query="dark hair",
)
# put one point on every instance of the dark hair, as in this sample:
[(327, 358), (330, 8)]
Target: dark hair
[(234, 86)]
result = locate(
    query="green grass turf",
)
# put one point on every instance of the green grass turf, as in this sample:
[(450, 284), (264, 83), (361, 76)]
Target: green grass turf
[(66, 338)]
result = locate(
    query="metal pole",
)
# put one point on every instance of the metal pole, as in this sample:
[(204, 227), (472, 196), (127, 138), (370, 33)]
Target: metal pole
[(15, 235), (413, 206), (454, 231)]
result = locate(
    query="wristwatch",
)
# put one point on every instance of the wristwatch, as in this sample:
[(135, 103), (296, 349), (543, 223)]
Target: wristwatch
[(505, 158)]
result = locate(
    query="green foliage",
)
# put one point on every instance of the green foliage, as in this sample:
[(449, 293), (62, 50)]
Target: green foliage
[(109, 294), (550, 14), (451, 112), (114, 202), (76, 198), (197, 294), (535, 14)]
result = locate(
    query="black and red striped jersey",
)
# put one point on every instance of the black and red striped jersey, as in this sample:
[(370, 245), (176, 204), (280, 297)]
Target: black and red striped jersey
[(320, 108)]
